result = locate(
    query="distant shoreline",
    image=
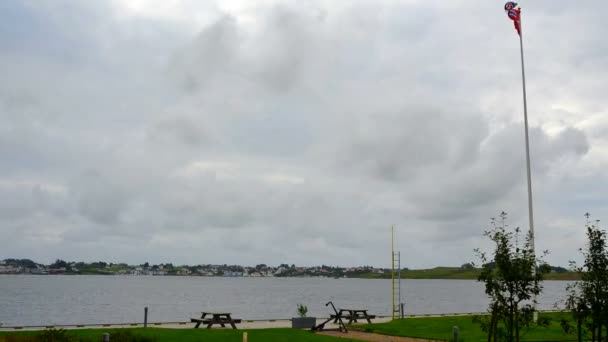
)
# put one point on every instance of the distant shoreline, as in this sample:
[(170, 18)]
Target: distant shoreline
[(549, 277), (464, 272)]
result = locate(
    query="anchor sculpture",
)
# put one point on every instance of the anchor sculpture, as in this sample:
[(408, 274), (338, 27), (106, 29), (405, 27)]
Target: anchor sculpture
[(335, 318)]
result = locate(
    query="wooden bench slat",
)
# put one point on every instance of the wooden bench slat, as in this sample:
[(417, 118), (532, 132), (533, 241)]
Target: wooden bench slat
[(207, 321)]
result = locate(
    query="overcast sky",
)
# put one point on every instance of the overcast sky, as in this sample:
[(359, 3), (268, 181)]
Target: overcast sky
[(295, 131)]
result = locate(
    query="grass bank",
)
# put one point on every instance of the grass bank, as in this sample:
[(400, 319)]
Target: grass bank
[(440, 328), (182, 335), (455, 273)]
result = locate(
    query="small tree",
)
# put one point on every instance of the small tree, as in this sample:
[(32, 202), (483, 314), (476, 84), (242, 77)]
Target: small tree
[(588, 298), (512, 282)]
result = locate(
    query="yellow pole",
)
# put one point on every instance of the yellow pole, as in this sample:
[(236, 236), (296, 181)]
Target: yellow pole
[(393, 268)]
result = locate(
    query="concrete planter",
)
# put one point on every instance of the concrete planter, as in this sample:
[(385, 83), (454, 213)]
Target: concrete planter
[(303, 322)]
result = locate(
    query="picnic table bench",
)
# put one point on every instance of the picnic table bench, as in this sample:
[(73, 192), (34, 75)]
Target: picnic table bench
[(221, 318), (352, 315)]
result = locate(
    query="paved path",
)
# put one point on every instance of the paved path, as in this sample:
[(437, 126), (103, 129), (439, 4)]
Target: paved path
[(371, 337), (245, 324)]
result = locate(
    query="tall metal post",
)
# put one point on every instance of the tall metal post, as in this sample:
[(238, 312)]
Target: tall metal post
[(393, 271), (398, 304), (528, 168), (529, 172)]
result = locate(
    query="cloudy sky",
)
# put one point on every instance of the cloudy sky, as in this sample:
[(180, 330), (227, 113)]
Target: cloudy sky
[(295, 131)]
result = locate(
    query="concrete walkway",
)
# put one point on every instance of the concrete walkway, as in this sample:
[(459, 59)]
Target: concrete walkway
[(245, 324)]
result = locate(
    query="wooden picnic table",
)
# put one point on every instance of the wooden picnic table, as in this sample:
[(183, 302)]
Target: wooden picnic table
[(353, 314), (211, 318)]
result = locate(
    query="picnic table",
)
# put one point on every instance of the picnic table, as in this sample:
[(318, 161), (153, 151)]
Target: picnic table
[(352, 315), (211, 318)]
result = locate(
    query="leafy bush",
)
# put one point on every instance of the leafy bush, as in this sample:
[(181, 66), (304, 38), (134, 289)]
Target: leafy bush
[(513, 278), (302, 310), (61, 335), (587, 298), (51, 335), (57, 335)]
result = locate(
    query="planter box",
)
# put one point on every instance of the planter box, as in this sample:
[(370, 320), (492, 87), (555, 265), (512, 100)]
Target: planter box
[(303, 322)]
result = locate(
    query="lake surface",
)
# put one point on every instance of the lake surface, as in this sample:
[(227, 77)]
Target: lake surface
[(45, 300)]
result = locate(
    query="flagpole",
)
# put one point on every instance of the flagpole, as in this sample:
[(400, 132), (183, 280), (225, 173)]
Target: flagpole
[(529, 173)]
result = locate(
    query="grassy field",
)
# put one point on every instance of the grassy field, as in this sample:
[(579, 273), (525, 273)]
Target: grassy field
[(192, 335), (440, 328), (456, 273), (437, 328)]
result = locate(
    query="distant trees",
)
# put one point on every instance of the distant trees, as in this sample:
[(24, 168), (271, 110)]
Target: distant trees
[(512, 282), (588, 299), (236, 268), (59, 264), (467, 267), (98, 264), (558, 269)]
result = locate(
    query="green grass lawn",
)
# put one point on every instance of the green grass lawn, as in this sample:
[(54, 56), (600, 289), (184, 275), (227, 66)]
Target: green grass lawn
[(440, 328), (197, 335)]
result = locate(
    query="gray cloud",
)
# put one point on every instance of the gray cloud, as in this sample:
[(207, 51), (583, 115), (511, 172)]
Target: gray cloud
[(293, 132)]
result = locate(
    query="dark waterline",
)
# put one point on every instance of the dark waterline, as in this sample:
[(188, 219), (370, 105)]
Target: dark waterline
[(46, 300)]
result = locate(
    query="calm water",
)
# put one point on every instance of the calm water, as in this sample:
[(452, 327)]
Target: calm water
[(40, 300)]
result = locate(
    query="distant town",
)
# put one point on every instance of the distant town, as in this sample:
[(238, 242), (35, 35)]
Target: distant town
[(61, 267), (27, 266)]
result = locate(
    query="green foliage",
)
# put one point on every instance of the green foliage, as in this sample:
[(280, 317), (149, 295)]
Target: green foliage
[(460, 273), (181, 335), (61, 335), (27, 263), (59, 264), (467, 267), (302, 310), (512, 282), (56, 335), (51, 335), (587, 299)]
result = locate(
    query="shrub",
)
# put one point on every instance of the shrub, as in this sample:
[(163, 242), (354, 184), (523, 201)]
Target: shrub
[(302, 310)]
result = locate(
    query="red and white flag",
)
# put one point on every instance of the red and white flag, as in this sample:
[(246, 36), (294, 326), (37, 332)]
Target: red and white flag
[(514, 13)]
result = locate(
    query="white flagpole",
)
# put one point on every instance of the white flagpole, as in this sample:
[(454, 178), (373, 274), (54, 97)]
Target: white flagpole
[(529, 172)]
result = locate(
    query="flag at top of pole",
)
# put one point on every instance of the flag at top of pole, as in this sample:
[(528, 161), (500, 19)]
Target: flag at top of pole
[(514, 13)]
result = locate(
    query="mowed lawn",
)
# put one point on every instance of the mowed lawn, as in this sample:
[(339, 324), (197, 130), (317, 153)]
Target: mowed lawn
[(197, 335), (440, 328)]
